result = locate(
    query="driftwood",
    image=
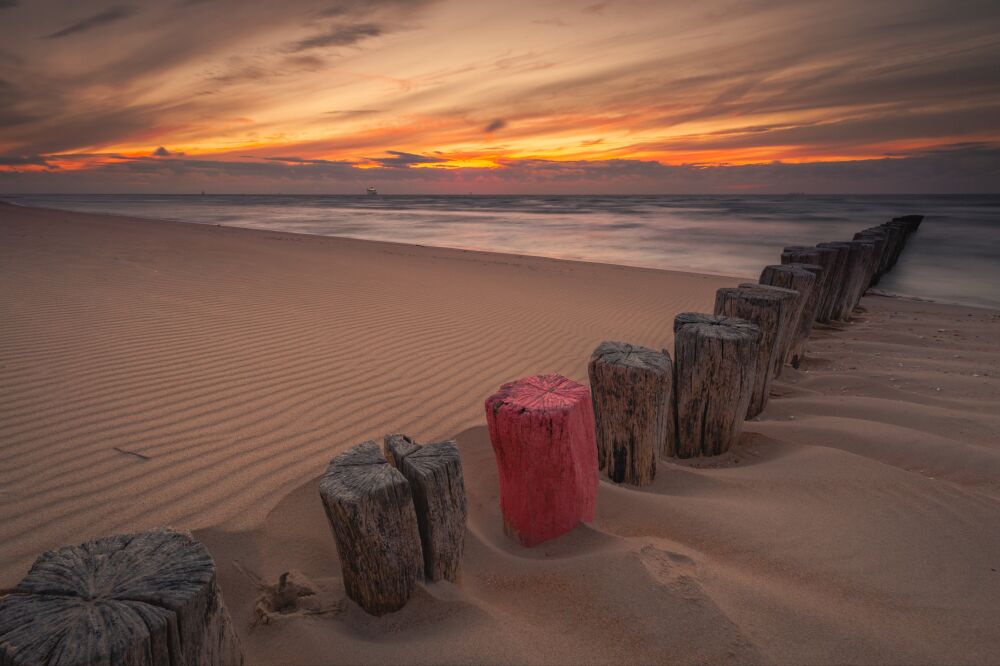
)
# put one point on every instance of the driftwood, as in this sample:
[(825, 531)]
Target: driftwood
[(825, 257), (803, 282), (631, 388), (371, 513), (768, 308), (798, 348), (134, 599), (542, 431), (715, 362), (435, 475)]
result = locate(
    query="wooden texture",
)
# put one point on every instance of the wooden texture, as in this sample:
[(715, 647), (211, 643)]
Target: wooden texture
[(542, 431), (803, 282), (839, 287), (397, 447), (133, 599), (824, 257), (371, 513), (434, 472), (798, 348), (878, 241), (855, 271), (768, 309), (715, 365), (631, 389)]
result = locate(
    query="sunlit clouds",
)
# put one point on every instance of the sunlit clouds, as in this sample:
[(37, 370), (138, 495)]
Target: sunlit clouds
[(467, 95)]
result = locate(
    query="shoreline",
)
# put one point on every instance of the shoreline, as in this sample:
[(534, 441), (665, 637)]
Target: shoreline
[(201, 377)]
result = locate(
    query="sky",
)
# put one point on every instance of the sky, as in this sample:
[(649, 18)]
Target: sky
[(539, 96)]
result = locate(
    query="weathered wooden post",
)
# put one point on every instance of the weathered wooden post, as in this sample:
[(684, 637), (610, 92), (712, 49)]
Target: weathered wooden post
[(715, 366), (804, 329), (767, 308), (542, 431), (825, 257), (370, 508), (841, 277), (878, 240), (803, 282), (139, 599), (434, 472), (631, 388), (855, 270)]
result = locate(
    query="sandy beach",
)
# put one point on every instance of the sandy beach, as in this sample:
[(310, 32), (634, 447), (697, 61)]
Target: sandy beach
[(160, 373)]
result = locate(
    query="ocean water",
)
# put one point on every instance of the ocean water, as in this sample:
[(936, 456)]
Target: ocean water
[(954, 257)]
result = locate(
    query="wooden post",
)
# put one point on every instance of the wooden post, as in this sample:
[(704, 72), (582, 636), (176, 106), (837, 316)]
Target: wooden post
[(138, 599), (715, 369), (841, 276), (435, 475), (878, 240), (631, 388), (397, 447), (767, 308), (855, 270), (542, 431), (798, 349), (803, 282), (371, 513), (820, 256)]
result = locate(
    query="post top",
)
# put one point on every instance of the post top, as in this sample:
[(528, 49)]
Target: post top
[(538, 393), (631, 356)]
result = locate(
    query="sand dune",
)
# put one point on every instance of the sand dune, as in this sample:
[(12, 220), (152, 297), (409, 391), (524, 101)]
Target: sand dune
[(159, 373)]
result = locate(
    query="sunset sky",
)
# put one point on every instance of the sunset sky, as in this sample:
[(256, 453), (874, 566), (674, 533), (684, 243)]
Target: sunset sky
[(513, 96)]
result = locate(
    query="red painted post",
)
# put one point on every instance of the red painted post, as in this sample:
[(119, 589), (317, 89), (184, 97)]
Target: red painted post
[(542, 430)]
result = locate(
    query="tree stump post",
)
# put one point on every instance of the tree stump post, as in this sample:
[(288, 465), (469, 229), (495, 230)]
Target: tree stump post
[(542, 431), (820, 256), (435, 475), (798, 349), (142, 599), (803, 282), (370, 508), (767, 308), (631, 388), (715, 366)]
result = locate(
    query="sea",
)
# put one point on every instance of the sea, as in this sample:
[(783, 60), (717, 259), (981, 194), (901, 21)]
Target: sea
[(954, 257)]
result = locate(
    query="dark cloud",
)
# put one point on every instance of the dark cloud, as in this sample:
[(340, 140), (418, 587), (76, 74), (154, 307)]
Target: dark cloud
[(23, 160), (340, 35), (495, 125), (7, 4), (163, 152), (401, 160), (301, 160), (110, 15)]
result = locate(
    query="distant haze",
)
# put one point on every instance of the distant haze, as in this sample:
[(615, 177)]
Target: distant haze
[(471, 96)]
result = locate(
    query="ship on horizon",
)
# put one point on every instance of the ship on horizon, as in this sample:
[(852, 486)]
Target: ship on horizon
[(371, 191)]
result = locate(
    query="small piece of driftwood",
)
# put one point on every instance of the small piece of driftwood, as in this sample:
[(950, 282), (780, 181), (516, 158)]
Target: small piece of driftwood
[(370, 508), (803, 254), (631, 388), (435, 475), (768, 308), (134, 599), (798, 348), (803, 282), (542, 431), (715, 363)]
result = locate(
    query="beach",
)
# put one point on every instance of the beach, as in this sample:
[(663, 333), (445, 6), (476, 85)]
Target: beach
[(160, 373)]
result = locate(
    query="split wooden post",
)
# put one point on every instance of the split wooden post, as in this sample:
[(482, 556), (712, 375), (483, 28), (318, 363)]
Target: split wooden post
[(434, 472), (139, 599), (631, 388), (767, 308), (542, 431), (370, 508), (803, 282), (715, 366), (798, 349), (820, 256)]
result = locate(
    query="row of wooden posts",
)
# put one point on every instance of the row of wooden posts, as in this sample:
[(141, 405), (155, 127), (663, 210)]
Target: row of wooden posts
[(398, 513)]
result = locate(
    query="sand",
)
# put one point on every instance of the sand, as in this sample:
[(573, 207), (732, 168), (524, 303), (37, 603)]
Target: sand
[(158, 373)]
